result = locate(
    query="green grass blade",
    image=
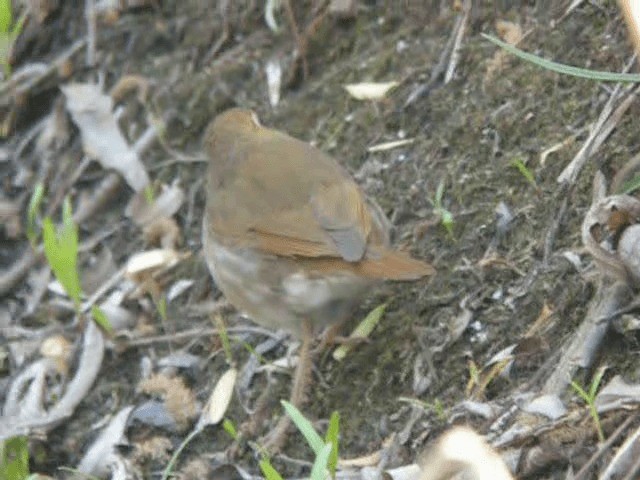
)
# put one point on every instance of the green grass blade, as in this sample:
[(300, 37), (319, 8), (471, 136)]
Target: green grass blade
[(630, 185), (595, 383), (562, 68), (168, 471), (14, 458), (318, 471), (363, 330), (268, 471), (332, 437), (524, 171), (101, 319), (61, 251), (313, 438), (230, 428), (580, 391), (6, 16)]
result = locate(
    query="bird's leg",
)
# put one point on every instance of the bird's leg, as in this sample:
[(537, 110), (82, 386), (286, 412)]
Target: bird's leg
[(275, 439)]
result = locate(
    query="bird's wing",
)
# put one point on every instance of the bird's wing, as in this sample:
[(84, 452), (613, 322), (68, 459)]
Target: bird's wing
[(334, 222)]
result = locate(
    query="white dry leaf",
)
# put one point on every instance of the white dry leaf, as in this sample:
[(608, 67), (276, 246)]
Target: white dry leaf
[(98, 458), (101, 137), (549, 406), (144, 263), (288, 362), (370, 90), (616, 394), (631, 13), (625, 459), (381, 147), (23, 399), (119, 317), (273, 70), (629, 251), (24, 408), (178, 288), (165, 204), (270, 8), (219, 399), (482, 409)]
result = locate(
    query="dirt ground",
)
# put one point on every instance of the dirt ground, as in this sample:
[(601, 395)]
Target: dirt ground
[(506, 264)]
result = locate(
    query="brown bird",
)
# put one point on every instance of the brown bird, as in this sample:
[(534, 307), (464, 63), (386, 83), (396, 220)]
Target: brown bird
[(289, 237)]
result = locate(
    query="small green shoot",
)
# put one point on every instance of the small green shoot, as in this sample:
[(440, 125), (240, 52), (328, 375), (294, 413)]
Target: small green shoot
[(6, 16), (268, 471), (9, 32), (253, 351), (630, 186), (326, 451), (14, 458), (590, 399), (224, 338), (161, 306), (525, 172), (363, 330), (61, 250), (33, 213), (446, 217), (174, 458), (332, 438), (319, 469), (101, 319), (149, 195), (314, 440), (230, 428), (564, 69)]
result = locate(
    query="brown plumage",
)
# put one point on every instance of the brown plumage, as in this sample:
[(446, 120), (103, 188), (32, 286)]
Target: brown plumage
[(289, 237)]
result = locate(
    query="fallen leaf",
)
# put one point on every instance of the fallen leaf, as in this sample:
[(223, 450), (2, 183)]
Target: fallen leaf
[(370, 90), (101, 136), (219, 399)]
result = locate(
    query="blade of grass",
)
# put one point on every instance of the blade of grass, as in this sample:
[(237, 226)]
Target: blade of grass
[(363, 330), (169, 468), (630, 185), (313, 438), (524, 171), (6, 16), (562, 68), (101, 319), (333, 432), (14, 458), (268, 471), (230, 428), (61, 250), (320, 465)]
